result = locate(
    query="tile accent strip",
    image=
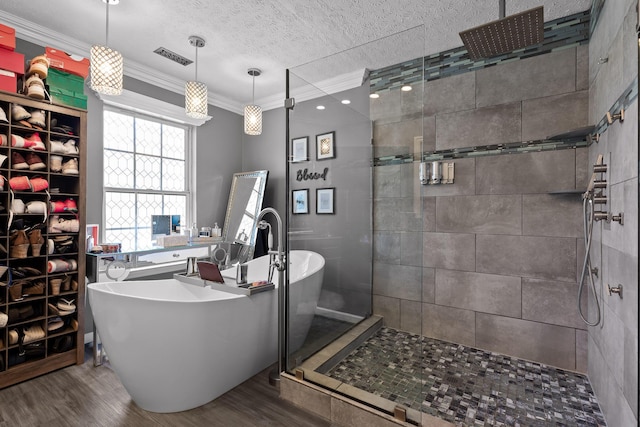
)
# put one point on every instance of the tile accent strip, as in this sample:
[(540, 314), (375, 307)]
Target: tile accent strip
[(561, 33)]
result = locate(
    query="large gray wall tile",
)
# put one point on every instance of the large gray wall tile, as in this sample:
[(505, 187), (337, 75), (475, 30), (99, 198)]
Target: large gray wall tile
[(582, 67), (487, 293), (411, 249), (552, 215), (455, 93), (623, 137), (630, 386), (552, 115), (621, 268), (550, 344), (397, 106), (389, 309), (542, 75), (429, 213), (402, 214), (582, 352), (526, 173), (552, 302), (428, 285), (484, 126), (386, 247), (396, 181), (396, 138), (539, 257), (451, 251), (583, 168), (623, 198), (411, 316), (397, 281), (493, 214), (449, 324)]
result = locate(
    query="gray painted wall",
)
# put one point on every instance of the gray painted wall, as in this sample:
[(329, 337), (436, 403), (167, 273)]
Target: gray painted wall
[(613, 345)]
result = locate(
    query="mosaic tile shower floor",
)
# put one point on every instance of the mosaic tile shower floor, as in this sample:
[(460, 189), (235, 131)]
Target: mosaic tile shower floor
[(468, 386)]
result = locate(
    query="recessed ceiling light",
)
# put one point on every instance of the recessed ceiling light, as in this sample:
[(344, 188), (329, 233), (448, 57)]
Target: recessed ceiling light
[(111, 1), (345, 101), (320, 107), (374, 96), (406, 88)]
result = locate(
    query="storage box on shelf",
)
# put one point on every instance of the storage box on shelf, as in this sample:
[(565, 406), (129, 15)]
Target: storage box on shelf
[(66, 88), (11, 68), (41, 226)]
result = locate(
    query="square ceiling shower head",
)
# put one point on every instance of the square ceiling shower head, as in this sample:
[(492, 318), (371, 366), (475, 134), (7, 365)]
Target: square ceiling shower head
[(505, 35)]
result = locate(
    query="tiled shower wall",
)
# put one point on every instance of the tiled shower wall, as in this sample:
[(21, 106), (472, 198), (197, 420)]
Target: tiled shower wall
[(613, 345), (490, 261)]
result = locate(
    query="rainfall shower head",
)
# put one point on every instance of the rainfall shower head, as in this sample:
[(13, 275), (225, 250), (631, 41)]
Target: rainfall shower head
[(506, 34)]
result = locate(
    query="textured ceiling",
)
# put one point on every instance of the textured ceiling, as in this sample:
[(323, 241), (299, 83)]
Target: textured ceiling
[(270, 35)]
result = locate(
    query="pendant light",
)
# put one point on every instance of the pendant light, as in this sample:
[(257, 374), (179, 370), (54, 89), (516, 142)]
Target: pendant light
[(106, 65), (253, 113), (196, 103)]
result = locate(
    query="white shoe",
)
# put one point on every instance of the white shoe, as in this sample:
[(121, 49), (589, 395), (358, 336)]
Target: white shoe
[(70, 147)]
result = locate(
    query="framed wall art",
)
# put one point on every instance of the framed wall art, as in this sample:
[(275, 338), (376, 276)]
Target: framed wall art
[(325, 203), (300, 201), (325, 146), (299, 149)]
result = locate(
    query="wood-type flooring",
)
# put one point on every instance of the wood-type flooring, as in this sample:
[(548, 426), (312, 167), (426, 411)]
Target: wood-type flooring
[(84, 395)]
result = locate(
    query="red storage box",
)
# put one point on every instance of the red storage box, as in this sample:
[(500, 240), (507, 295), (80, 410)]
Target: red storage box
[(7, 37), (11, 66), (70, 63), (8, 81)]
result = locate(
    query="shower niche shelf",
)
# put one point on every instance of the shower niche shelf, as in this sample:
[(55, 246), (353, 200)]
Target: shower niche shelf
[(53, 338)]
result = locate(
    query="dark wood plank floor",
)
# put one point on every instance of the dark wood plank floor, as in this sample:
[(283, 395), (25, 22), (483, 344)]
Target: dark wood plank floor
[(84, 395)]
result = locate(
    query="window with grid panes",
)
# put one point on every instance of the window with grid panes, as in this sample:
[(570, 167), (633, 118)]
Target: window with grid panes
[(145, 173)]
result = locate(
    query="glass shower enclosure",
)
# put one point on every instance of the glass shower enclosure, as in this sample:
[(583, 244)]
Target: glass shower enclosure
[(334, 185)]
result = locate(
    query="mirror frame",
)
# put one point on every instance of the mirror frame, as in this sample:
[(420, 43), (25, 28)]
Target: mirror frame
[(237, 177)]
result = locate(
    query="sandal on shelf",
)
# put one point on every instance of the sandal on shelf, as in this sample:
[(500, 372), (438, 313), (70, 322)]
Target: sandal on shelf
[(66, 305)]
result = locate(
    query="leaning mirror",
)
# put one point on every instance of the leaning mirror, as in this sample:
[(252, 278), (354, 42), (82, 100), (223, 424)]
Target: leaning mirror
[(245, 203)]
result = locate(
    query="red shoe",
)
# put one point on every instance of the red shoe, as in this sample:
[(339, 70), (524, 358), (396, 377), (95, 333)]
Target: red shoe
[(38, 183), (36, 142), (19, 142), (58, 206), (20, 183), (70, 205)]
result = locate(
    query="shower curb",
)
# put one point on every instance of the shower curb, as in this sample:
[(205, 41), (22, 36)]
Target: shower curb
[(342, 403)]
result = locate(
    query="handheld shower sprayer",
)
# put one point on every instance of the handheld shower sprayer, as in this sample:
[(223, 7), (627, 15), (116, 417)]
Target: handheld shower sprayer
[(589, 199), (263, 225)]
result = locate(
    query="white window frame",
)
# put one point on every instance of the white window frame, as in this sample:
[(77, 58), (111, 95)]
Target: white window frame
[(190, 170)]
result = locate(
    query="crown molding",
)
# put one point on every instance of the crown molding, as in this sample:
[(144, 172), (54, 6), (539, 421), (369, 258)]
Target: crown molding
[(37, 34)]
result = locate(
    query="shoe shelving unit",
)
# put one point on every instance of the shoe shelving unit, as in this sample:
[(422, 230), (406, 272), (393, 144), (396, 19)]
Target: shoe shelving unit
[(40, 309)]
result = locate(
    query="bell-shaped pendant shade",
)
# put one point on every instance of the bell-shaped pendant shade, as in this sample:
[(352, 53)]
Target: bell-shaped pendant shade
[(195, 99), (106, 70), (253, 120)]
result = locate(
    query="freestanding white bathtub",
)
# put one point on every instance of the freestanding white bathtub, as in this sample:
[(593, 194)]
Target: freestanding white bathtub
[(176, 346)]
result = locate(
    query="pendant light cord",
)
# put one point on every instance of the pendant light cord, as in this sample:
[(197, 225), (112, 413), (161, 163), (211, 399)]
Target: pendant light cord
[(107, 35), (253, 92), (196, 61)]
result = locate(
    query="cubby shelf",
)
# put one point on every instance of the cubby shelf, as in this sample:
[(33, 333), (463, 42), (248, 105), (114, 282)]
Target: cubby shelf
[(34, 267)]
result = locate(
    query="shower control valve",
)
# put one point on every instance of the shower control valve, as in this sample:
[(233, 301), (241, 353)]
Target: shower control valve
[(615, 290)]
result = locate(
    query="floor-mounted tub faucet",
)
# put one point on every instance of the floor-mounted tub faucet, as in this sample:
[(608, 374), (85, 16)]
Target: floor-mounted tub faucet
[(276, 261)]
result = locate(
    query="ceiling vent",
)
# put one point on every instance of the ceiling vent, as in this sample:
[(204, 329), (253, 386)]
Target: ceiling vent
[(172, 56)]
